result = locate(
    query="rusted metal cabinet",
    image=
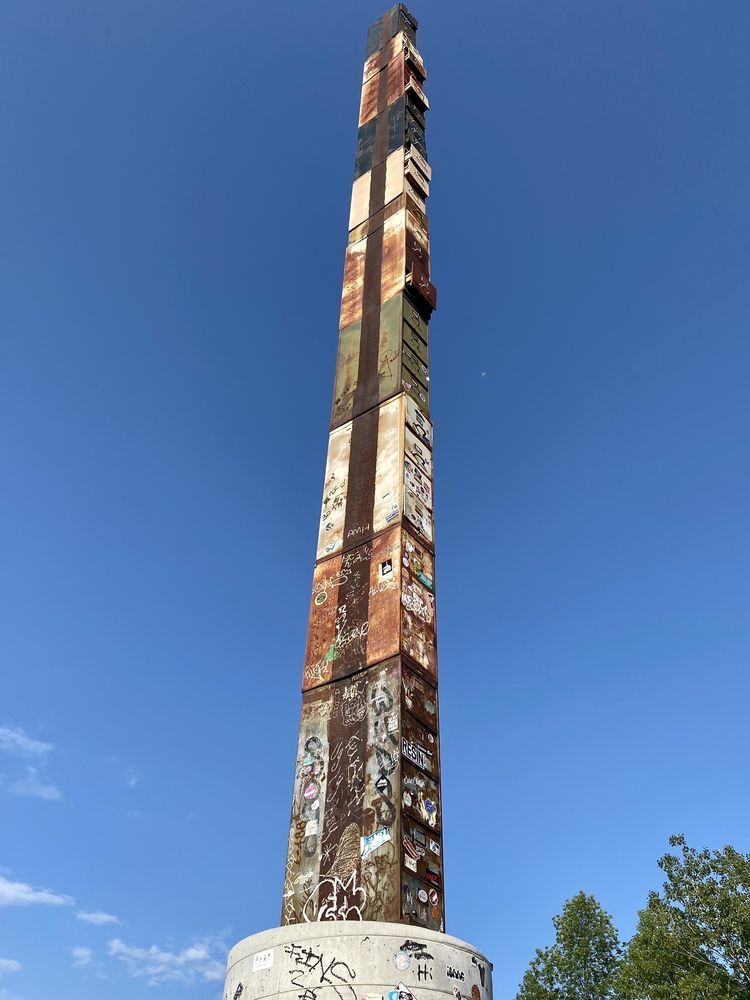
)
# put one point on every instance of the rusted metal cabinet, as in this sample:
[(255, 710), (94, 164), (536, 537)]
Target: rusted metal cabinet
[(366, 804)]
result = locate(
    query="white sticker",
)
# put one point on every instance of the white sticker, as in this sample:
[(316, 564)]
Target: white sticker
[(410, 863), (435, 847), (311, 828), (373, 841), (263, 960), (392, 724)]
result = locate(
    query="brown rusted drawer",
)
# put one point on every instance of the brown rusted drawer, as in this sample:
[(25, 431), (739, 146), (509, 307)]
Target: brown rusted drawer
[(419, 283)]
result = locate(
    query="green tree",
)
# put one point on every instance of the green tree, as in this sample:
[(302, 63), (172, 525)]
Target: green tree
[(693, 941), (583, 963)]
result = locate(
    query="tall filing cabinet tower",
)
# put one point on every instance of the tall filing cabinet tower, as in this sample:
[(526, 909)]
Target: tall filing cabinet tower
[(365, 846)]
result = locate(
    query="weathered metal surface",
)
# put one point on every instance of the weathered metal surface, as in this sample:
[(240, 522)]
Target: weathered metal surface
[(354, 610), (397, 19), (419, 698), (362, 492), (414, 89), (416, 365), (371, 358), (418, 423), (414, 342), (415, 319), (417, 452), (368, 365), (421, 903), (419, 516), (417, 179), (418, 606), (418, 482), (414, 387), (368, 603), (422, 852), (415, 157), (393, 267), (343, 857), (402, 42), (419, 746), (370, 196), (364, 839), (420, 796), (419, 282)]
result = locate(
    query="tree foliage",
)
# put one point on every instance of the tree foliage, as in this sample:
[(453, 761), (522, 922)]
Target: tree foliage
[(584, 961), (693, 940)]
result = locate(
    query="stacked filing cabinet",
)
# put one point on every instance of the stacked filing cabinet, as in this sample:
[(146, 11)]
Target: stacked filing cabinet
[(365, 839)]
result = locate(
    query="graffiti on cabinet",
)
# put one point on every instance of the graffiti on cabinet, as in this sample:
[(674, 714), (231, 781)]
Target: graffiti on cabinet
[(420, 796), (420, 903), (354, 610), (418, 604), (361, 494), (343, 862), (419, 698)]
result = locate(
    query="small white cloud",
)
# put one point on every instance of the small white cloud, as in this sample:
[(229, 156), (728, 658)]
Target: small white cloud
[(128, 773), (14, 740), (34, 787), (97, 917), (21, 894), (81, 957), (202, 961), (9, 965)]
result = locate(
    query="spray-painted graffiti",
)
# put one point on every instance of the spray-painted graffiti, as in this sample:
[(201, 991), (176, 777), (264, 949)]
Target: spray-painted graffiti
[(311, 970), (343, 860), (336, 899), (354, 610)]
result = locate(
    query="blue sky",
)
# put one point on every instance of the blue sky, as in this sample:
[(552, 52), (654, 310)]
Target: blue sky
[(174, 187)]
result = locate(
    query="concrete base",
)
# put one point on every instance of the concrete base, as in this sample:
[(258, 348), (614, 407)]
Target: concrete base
[(356, 960)]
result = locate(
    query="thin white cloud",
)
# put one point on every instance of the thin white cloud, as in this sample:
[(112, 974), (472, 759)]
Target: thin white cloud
[(97, 917), (9, 965), (128, 773), (81, 957), (21, 894), (35, 787), (14, 740), (202, 961)]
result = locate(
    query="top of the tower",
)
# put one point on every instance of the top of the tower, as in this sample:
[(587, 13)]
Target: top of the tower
[(398, 18)]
